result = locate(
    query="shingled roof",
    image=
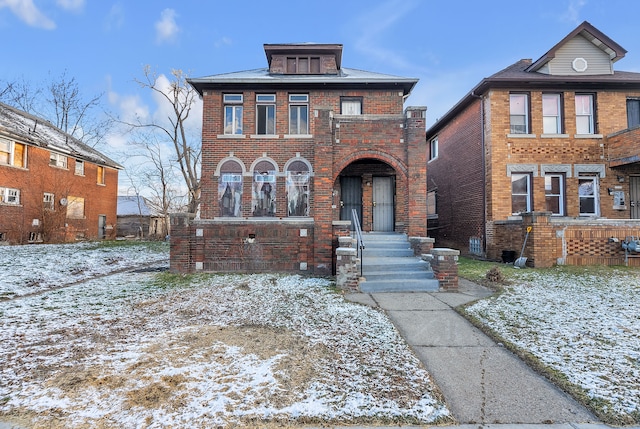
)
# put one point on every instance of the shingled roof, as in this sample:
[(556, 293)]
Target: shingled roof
[(24, 127)]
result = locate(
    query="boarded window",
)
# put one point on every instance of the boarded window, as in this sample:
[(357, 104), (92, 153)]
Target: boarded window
[(75, 207)]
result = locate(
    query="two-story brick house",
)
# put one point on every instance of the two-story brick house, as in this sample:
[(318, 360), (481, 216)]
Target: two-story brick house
[(53, 188), (552, 144), (288, 151)]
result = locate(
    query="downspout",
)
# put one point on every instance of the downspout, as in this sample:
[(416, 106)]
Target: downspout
[(484, 173)]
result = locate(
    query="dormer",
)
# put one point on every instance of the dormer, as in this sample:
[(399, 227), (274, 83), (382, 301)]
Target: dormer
[(585, 51), (304, 58)]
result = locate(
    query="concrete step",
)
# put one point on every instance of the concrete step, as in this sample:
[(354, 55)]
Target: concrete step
[(397, 275), (413, 285), (386, 252)]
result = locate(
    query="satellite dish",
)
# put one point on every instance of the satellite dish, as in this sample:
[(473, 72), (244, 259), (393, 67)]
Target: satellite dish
[(63, 201)]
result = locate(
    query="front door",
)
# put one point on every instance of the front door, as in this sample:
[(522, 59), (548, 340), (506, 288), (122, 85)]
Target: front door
[(383, 204), (634, 196), (351, 198), (102, 226)]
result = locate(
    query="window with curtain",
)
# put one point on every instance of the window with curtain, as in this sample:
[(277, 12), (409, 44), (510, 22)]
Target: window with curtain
[(585, 123), (263, 192), (551, 114)]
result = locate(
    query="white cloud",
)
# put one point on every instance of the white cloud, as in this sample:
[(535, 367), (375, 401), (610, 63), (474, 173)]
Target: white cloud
[(71, 5), (166, 28), (375, 23), (224, 41), (115, 17), (28, 13), (572, 14)]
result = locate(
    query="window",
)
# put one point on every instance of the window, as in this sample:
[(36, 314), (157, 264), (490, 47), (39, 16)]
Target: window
[(633, 113), (585, 123), (12, 153), (79, 168), (263, 195), (520, 193), (48, 201), (75, 208), (233, 114), (57, 160), (230, 189), (9, 196), (554, 193), (351, 105), (303, 65), (298, 114), (588, 194), (298, 189), (519, 113), (551, 114), (266, 114), (433, 149), (100, 175)]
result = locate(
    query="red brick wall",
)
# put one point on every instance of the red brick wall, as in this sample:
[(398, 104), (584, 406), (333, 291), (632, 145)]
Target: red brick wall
[(39, 177), (457, 176)]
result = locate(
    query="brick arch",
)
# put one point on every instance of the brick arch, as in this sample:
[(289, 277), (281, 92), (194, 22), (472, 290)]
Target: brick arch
[(398, 166)]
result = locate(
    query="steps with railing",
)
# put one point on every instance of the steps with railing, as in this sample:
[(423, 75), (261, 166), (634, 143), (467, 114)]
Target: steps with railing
[(389, 265)]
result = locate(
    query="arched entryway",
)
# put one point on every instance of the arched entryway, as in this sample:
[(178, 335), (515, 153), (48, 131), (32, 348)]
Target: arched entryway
[(368, 186)]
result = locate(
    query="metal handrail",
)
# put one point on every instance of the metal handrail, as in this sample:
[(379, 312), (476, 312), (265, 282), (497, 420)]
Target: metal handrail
[(359, 243)]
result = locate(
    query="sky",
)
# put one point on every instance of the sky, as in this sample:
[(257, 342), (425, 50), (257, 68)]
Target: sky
[(450, 46)]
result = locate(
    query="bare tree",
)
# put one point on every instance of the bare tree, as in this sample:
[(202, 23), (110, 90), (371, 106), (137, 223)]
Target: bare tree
[(180, 97), (62, 103)]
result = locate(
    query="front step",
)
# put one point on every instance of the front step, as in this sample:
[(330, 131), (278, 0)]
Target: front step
[(389, 265)]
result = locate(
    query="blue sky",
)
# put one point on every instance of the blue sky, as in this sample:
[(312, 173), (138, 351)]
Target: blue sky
[(449, 45)]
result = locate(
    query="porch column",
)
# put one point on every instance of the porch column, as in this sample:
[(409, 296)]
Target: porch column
[(415, 127), (323, 191)]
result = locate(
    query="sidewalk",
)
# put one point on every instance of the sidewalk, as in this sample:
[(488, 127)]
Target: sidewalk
[(482, 382)]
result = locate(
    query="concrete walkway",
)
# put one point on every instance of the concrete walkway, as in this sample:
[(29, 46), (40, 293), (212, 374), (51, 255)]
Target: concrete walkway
[(482, 382)]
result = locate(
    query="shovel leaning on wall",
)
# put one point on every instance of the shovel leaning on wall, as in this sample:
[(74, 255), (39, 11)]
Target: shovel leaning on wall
[(521, 261)]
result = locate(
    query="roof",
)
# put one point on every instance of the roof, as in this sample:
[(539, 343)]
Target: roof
[(32, 130), (345, 77), (523, 75), (592, 34), (135, 205)]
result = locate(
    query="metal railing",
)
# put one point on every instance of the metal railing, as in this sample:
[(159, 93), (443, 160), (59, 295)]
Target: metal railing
[(359, 243)]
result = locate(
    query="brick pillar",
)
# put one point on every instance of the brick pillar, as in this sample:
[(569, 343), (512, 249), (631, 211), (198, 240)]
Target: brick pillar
[(445, 267), (541, 244), (415, 141), (347, 274), (323, 191), (421, 245), (180, 243)]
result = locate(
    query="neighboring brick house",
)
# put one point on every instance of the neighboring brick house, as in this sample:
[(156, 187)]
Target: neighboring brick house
[(288, 151), (53, 188), (552, 144)]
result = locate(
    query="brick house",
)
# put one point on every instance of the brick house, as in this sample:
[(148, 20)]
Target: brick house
[(53, 188), (289, 151), (553, 144)]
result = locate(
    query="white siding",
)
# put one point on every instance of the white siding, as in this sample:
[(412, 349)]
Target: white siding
[(579, 47)]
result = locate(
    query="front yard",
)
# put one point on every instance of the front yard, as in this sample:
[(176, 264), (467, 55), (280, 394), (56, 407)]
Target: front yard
[(579, 325), (152, 349)]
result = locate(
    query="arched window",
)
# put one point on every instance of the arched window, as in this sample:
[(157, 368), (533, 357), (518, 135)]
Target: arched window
[(230, 189), (263, 191), (298, 188)]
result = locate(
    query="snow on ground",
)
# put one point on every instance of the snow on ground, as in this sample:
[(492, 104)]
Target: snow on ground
[(143, 349), (38, 267), (585, 326)]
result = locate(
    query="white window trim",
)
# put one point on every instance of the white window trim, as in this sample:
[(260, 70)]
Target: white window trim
[(4, 196), (591, 116), (76, 172), (596, 195), (58, 157), (526, 114), (529, 193), (432, 143), (563, 191), (558, 130)]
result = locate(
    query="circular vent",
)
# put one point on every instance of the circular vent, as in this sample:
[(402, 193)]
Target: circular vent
[(579, 65)]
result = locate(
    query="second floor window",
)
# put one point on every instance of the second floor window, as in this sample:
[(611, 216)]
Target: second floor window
[(12, 153), (633, 113), (298, 114), (551, 114), (100, 175), (79, 167), (519, 113), (266, 114), (57, 160), (433, 149), (584, 114), (233, 114)]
